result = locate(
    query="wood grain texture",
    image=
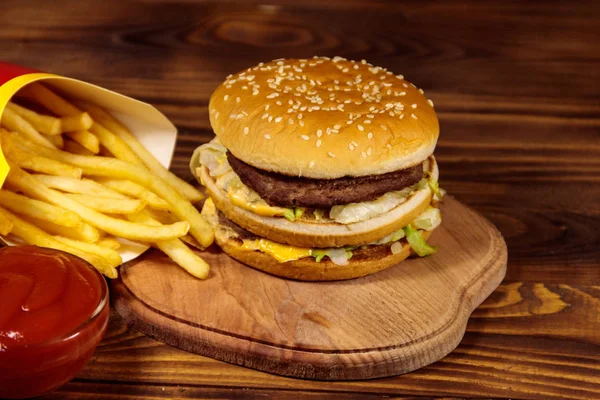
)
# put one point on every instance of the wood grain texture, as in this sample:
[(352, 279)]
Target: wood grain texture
[(517, 91), (385, 324)]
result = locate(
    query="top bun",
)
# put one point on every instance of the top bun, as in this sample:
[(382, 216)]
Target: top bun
[(323, 118)]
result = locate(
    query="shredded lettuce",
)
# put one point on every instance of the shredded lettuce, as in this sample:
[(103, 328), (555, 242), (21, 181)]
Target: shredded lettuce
[(338, 256), (438, 193), (356, 212), (428, 220), (298, 212), (417, 242), (289, 214), (392, 237)]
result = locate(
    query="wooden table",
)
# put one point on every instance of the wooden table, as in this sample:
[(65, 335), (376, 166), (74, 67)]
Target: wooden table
[(517, 90)]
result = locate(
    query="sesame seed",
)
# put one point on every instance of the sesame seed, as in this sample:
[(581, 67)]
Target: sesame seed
[(312, 164), (272, 95), (330, 154), (400, 76), (246, 130), (367, 121), (278, 119), (301, 123), (318, 144), (370, 135), (351, 146), (336, 127), (291, 121), (414, 106), (237, 99), (401, 116), (402, 94), (270, 118), (421, 91), (363, 154), (319, 133), (267, 136), (300, 116), (267, 107), (265, 115), (226, 97), (255, 92), (217, 116), (305, 137), (360, 128), (414, 116), (369, 150), (278, 103), (430, 102)]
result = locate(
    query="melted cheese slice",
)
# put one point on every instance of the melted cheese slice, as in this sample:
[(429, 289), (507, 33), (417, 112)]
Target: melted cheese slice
[(241, 198), (280, 252)]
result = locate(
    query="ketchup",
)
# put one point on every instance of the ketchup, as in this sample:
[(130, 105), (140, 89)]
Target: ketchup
[(53, 314)]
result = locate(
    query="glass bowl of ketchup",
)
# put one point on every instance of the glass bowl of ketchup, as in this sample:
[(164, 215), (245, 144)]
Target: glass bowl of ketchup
[(53, 313)]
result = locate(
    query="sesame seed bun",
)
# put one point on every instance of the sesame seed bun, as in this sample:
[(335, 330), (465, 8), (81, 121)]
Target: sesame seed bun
[(323, 118), (363, 262), (321, 234)]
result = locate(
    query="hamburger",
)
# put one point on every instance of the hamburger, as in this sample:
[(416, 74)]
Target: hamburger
[(320, 169)]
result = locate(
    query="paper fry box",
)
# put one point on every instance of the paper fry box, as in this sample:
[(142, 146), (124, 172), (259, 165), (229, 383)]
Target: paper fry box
[(149, 125)]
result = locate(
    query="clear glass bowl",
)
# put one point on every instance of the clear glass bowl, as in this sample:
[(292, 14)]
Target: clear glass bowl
[(32, 370)]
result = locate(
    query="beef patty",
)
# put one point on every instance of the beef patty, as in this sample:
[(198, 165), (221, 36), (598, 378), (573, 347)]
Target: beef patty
[(287, 191)]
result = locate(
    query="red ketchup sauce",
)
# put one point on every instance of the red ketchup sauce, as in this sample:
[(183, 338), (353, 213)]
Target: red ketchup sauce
[(53, 313)]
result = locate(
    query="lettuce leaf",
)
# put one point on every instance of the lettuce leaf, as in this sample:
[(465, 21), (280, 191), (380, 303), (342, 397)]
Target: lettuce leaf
[(417, 242)]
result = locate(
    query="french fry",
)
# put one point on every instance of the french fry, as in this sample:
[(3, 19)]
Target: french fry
[(84, 232), (164, 217), (111, 255), (108, 204), (56, 140), (77, 122), (50, 100), (38, 209), (64, 108), (109, 122), (134, 190), (190, 241), (175, 249), (109, 242), (114, 144), (118, 169), (44, 124), (33, 162), (14, 122), (34, 235), (34, 188), (6, 225), (80, 186), (86, 139), (76, 148)]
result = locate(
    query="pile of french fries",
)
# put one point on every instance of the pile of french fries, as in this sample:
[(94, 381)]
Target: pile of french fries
[(79, 179)]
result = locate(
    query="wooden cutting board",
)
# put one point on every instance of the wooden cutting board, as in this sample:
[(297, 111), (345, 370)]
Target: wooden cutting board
[(384, 324)]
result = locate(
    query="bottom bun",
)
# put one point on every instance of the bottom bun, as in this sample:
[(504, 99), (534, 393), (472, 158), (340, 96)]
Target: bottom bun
[(364, 261)]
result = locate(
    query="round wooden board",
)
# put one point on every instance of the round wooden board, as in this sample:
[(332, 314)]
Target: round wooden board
[(388, 323)]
